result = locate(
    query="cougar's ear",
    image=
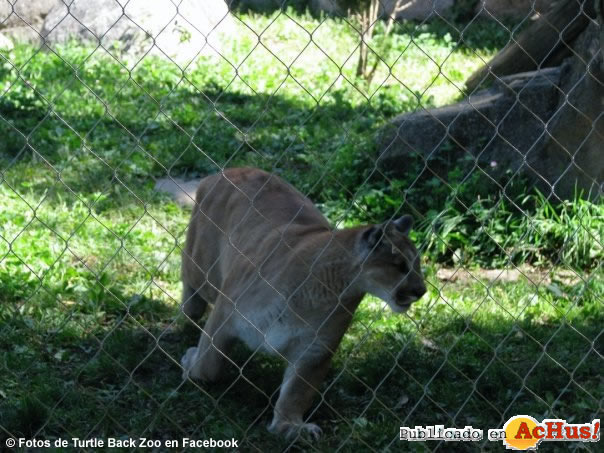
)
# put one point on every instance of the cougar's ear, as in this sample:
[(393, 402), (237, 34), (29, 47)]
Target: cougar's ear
[(403, 224), (372, 235)]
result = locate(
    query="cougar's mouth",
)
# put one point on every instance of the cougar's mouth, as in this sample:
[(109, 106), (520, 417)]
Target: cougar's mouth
[(406, 301), (401, 305)]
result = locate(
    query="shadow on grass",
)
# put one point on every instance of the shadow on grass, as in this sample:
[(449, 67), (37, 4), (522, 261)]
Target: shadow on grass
[(195, 132), (118, 378), (107, 135), (327, 151)]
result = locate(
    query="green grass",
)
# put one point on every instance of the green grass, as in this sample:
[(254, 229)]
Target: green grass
[(89, 253), (467, 354)]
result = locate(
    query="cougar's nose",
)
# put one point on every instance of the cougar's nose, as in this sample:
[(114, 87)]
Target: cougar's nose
[(418, 291)]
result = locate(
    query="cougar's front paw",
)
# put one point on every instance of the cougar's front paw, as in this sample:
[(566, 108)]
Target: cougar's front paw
[(308, 429), (290, 430), (188, 363)]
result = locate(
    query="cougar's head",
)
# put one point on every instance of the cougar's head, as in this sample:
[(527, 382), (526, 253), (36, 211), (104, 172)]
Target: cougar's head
[(391, 269)]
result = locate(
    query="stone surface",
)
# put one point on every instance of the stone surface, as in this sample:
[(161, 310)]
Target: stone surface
[(22, 20), (410, 9), (25, 34), (575, 146), (140, 27), (5, 43), (547, 124), (499, 127), (418, 9), (512, 8), (181, 191), (545, 43), (20, 13), (260, 5)]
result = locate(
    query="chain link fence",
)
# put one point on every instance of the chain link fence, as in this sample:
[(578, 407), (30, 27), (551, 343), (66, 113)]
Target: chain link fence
[(90, 253)]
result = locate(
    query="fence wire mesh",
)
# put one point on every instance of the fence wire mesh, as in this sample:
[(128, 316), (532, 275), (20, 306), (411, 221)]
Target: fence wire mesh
[(87, 356)]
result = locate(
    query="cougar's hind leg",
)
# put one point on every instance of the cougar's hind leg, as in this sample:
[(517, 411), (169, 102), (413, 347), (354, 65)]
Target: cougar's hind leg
[(193, 305)]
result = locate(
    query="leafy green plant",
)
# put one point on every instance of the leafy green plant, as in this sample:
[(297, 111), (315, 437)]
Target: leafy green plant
[(570, 232), (530, 230)]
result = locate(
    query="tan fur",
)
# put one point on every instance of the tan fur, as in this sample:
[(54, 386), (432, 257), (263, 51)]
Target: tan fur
[(280, 278)]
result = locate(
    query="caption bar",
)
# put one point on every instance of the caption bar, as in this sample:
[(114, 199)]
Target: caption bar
[(112, 442)]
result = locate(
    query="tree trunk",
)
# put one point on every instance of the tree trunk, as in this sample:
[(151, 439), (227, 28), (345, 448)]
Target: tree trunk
[(543, 44)]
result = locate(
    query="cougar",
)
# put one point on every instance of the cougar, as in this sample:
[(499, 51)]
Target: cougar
[(281, 279)]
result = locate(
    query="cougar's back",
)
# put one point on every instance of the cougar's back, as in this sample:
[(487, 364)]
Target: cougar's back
[(242, 218)]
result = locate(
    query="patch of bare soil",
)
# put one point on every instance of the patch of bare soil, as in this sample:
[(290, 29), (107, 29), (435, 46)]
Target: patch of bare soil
[(533, 275)]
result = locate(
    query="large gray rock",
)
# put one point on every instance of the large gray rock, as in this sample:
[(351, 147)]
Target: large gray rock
[(22, 20), (180, 190), (409, 9), (574, 148), (498, 127), (259, 5), (140, 27), (25, 34), (547, 124), (21, 13), (5, 43), (417, 9), (517, 9)]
